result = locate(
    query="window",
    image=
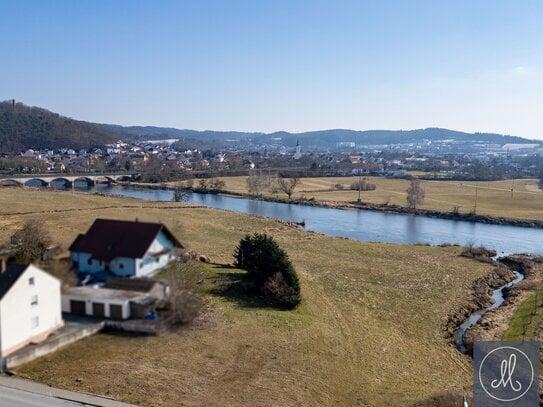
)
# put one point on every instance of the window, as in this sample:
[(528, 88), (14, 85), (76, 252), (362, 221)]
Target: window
[(121, 266), (89, 261), (35, 322), (141, 264), (31, 281), (34, 300)]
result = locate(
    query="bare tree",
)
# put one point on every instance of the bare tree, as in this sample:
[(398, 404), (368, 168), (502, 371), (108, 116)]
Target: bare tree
[(415, 194), (287, 185), (256, 183), (185, 303), (31, 241)]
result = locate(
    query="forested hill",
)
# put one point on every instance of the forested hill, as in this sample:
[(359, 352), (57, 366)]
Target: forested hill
[(319, 139), (23, 127)]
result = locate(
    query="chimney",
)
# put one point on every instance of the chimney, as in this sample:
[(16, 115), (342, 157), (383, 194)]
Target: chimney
[(3, 265)]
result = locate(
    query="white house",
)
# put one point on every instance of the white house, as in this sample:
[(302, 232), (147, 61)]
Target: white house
[(123, 248), (30, 306)]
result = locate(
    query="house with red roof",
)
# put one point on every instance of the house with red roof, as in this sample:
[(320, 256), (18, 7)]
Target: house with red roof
[(118, 248)]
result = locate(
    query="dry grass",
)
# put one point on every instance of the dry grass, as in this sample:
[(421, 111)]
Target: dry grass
[(493, 197), (369, 331)]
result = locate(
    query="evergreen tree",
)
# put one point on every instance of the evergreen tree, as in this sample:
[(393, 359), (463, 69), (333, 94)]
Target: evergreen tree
[(269, 270)]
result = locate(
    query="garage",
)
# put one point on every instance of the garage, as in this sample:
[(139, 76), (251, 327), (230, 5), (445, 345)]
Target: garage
[(77, 307), (101, 302), (115, 311), (98, 309)]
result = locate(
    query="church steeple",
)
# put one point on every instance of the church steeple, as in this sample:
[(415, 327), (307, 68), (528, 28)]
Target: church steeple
[(298, 153)]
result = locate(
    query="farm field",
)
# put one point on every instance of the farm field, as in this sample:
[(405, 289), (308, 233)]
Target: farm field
[(369, 331), (494, 198)]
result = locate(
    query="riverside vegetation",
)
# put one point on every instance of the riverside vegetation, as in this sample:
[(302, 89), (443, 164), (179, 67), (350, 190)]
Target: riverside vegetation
[(513, 199), (369, 330)]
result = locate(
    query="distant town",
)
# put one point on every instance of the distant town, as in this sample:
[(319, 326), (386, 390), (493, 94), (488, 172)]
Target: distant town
[(166, 160)]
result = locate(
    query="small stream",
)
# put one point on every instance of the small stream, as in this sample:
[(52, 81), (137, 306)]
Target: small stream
[(497, 296)]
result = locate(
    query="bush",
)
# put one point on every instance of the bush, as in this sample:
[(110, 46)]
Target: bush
[(184, 302), (363, 185), (185, 306), (280, 292), (269, 270), (478, 252), (338, 186)]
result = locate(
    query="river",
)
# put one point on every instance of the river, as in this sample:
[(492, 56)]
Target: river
[(364, 225)]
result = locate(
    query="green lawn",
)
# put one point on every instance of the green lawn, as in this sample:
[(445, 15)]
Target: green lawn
[(526, 319)]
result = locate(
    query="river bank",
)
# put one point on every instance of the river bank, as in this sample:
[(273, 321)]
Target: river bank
[(388, 208), (494, 322)]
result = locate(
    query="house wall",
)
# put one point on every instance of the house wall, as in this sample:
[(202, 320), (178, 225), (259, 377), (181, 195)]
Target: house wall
[(125, 304), (149, 263), (123, 266), (83, 265), (17, 312)]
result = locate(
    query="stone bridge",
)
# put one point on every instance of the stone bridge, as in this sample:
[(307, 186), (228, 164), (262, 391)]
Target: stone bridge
[(65, 179)]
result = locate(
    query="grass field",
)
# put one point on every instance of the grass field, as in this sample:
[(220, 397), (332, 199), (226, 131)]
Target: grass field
[(526, 319), (369, 331), (494, 198)]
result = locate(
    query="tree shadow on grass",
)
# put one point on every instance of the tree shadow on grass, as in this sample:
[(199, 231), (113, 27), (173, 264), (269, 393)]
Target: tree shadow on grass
[(228, 284)]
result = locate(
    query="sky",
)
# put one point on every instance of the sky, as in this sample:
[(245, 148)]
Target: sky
[(269, 65)]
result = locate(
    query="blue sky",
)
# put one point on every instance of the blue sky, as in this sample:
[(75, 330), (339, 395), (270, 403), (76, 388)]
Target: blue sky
[(271, 65)]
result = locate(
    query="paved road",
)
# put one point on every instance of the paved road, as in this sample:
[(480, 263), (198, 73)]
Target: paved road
[(16, 392), (14, 398)]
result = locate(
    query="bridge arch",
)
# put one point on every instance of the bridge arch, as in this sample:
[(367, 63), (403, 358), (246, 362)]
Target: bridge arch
[(41, 181), (88, 180), (65, 181), (7, 182)]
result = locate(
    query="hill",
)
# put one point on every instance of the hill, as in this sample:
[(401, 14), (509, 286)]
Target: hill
[(23, 127), (314, 139)]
